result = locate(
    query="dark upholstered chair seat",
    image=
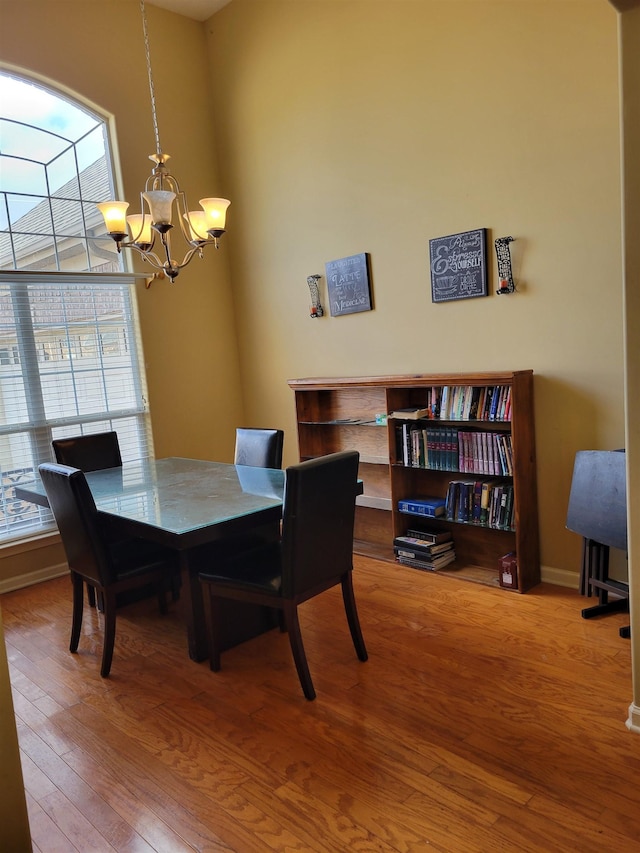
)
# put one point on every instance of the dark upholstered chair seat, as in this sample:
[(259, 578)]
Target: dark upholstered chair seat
[(314, 554), (93, 452), (258, 569), (108, 566), (130, 557)]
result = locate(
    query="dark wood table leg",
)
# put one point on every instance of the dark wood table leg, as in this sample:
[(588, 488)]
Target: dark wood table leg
[(192, 605)]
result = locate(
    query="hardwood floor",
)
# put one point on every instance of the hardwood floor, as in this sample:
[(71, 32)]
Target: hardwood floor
[(483, 721)]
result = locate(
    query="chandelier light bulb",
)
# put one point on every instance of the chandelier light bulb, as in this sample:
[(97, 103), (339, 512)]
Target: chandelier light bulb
[(160, 204), (140, 227), (215, 211), (197, 223), (115, 213)]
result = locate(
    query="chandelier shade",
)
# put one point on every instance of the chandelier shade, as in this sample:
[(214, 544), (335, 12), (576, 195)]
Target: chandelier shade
[(142, 231)]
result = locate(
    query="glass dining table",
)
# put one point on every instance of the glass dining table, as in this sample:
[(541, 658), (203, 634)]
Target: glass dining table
[(188, 505)]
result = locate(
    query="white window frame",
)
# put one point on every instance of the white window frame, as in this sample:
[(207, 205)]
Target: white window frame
[(33, 432), (29, 418)]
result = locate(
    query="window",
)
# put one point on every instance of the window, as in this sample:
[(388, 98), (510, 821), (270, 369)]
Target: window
[(70, 353), (54, 167)]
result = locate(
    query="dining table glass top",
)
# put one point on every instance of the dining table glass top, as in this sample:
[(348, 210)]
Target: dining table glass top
[(180, 495)]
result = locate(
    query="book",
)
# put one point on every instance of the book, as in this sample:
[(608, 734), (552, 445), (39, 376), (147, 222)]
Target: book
[(435, 401), (435, 536), (445, 403), (468, 399), (428, 565), (465, 501), (487, 403), (416, 546), (452, 500), (476, 512), (475, 402), (406, 448), (411, 414), (432, 507), (494, 402)]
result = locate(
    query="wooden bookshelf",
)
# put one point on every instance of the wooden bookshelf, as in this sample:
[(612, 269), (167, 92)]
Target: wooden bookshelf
[(339, 413)]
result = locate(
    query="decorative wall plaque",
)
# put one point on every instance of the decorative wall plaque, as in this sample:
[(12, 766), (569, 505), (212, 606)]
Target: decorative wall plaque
[(348, 285), (458, 266)]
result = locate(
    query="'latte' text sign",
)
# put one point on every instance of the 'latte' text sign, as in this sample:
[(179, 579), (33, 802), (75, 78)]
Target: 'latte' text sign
[(348, 284)]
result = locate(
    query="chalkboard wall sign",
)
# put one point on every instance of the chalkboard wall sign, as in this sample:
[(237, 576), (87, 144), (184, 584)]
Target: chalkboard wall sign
[(458, 266), (348, 284)]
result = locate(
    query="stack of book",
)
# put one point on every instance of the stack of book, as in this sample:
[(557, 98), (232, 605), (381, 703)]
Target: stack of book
[(424, 550)]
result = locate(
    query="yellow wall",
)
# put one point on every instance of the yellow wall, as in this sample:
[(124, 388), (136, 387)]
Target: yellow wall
[(96, 51), (360, 126), (343, 127)]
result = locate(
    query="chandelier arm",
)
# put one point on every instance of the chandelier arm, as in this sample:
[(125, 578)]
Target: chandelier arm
[(189, 255), (184, 219), (150, 257)]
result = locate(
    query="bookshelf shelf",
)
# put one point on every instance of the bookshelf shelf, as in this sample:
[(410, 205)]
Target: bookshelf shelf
[(374, 503), (339, 413)]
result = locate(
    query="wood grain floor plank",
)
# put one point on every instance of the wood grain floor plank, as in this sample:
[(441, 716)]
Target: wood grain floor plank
[(204, 805), (155, 833), (484, 721)]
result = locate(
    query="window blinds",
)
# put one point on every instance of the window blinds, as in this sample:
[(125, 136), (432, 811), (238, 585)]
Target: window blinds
[(70, 364)]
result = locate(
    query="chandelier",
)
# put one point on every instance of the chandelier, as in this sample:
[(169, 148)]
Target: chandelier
[(151, 228)]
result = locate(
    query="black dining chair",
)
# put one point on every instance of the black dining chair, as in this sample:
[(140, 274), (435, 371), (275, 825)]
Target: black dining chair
[(315, 553), (108, 566), (89, 452), (261, 448)]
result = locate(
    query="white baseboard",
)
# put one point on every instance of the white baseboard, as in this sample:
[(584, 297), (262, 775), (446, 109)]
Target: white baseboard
[(633, 722), (560, 577), (20, 581), (557, 577)]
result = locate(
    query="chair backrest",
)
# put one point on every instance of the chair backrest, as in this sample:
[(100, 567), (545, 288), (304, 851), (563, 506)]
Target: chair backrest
[(318, 519), (75, 513), (89, 452), (261, 448)]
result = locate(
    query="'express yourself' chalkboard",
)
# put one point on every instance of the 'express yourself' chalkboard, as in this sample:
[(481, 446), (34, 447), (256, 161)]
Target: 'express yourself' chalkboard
[(458, 266)]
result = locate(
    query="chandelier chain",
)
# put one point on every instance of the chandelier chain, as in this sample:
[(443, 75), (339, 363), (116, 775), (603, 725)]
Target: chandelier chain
[(163, 197), (152, 94)]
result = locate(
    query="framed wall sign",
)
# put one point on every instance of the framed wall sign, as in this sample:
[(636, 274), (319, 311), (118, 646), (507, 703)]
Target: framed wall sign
[(458, 266), (348, 285)]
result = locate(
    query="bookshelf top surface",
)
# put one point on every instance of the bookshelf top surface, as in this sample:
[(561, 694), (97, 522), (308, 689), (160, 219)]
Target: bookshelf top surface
[(408, 380)]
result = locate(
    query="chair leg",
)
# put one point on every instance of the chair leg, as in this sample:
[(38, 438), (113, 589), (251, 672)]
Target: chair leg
[(91, 596), (109, 632), (297, 649), (76, 618), (352, 616)]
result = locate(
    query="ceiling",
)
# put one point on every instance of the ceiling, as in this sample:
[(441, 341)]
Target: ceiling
[(199, 10)]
